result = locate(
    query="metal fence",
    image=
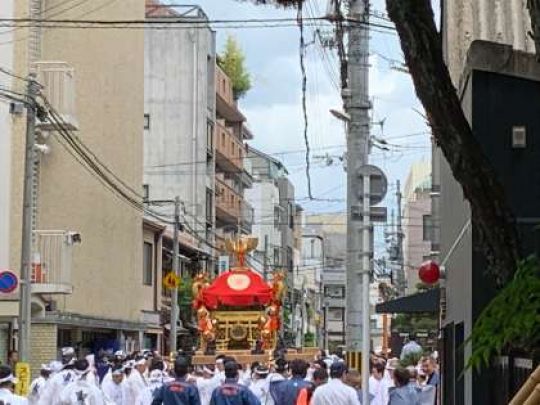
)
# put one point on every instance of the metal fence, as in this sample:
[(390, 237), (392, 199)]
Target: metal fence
[(510, 372)]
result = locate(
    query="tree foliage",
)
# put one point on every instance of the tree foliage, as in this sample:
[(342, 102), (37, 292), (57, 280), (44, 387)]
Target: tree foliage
[(511, 319), (232, 61), (534, 12)]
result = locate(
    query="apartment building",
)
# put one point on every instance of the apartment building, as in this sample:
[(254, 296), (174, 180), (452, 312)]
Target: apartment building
[(308, 282), (417, 221), (498, 85), (89, 243), (179, 121), (264, 197), (8, 302), (332, 227), (234, 215)]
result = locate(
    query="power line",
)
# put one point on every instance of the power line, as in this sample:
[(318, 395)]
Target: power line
[(302, 51), (171, 24)]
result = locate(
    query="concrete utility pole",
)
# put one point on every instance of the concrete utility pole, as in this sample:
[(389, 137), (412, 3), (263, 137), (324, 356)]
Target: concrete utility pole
[(265, 258), (174, 299), (357, 105), (25, 301), (401, 264)]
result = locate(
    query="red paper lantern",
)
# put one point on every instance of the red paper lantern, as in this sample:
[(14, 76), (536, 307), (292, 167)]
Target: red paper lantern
[(429, 272)]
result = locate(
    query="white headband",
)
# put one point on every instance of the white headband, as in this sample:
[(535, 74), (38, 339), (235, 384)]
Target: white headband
[(10, 378)]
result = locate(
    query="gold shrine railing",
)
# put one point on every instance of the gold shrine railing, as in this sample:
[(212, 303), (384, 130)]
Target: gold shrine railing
[(237, 330)]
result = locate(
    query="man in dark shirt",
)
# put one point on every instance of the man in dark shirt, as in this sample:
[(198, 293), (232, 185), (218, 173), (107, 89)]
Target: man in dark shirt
[(286, 392), (179, 391), (230, 392), (429, 367)]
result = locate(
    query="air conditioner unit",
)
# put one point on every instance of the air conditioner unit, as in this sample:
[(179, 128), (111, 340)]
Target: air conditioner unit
[(58, 81)]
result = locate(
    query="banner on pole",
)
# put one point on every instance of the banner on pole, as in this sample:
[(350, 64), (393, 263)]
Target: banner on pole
[(22, 372)]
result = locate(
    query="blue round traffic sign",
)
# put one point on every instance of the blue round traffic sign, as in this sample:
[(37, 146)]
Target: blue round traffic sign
[(8, 281)]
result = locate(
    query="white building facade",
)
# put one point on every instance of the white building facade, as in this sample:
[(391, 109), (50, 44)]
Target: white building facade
[(179, 102)]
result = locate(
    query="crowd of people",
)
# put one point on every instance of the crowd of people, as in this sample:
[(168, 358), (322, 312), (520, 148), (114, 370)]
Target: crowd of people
[(145, 378)]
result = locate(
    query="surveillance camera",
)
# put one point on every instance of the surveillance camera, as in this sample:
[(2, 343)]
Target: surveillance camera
[(74, 237)]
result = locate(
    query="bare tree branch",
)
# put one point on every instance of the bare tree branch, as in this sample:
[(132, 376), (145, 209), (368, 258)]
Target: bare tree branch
[(421, 44)]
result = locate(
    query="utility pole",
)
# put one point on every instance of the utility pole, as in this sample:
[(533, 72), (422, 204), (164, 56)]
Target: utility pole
[(25, 301), (357, 105), (174, 300), (265, 258), (401, 264)]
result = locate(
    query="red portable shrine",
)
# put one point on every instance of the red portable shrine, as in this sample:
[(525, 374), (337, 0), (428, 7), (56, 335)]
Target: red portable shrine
[(240, 287), (238, 310)]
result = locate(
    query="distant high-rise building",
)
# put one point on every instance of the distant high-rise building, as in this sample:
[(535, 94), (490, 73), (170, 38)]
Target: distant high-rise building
[(417, 221)]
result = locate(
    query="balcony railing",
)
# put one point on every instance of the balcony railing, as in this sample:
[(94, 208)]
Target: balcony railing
[(224, 86), (52, 262), (230, 150), (228, 202), (225, 103), (58, 80)]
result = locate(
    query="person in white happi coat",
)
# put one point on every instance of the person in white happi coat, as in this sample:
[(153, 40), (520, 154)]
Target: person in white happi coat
[(260, 385), (7, 384), (114, 387), (206, 385), (156, 378), (136, 382), (51, 392), (39, 383), (82, 390), (378, 385)]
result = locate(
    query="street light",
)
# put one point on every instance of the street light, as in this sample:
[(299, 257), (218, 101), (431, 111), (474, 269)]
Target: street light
[(340, 115)]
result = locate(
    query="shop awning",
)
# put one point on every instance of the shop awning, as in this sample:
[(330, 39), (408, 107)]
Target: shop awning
[(427, 301)]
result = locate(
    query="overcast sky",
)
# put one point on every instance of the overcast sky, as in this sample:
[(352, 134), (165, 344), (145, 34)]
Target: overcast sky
[(273, 105)]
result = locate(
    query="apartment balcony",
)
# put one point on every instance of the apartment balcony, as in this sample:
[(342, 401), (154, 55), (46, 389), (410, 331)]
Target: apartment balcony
[(229, 150), (228, 203), (52, 261), (225, 103), (220, 242), (58, 80)]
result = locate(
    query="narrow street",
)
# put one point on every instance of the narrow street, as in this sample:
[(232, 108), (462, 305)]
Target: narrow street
[(269, 202)]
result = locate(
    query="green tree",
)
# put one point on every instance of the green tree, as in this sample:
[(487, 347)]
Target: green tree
[(232, 61)]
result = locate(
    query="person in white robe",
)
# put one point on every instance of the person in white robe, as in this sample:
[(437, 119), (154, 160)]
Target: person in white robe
[(260, 385), (114, 387), (82, 390), (7, 385), (136, 382), (50, 393), (38, 384), (206, 385)]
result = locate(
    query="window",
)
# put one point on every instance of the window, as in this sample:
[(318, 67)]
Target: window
[(276, 217), (209, 135), (291, 216), (334, 291), (209, 205), (312, 249), (336, 314), (276, 257), (146, 192), (426, 227), (148, 268), (290, 262), (146, 121)]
